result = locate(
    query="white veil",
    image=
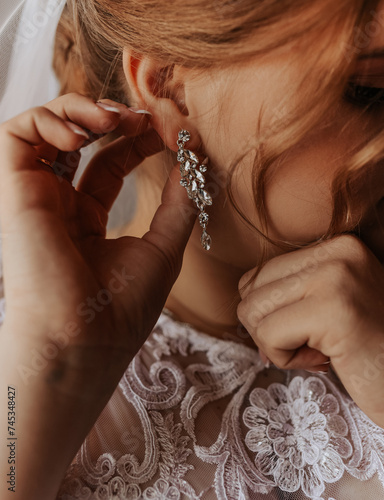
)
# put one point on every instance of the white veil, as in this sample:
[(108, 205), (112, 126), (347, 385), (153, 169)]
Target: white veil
[(27, 34), (27, 31)]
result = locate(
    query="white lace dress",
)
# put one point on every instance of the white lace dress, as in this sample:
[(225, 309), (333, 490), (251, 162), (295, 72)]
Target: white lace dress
[(198, 417)]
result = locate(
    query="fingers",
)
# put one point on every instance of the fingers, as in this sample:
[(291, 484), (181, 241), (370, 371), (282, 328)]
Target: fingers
[(104, 176), (283, 309), (57, 126), (269, 298), (34, 128), (101, 117), (98, 119), (312, 360), (21, 183), (131, 124), (304, 261), (172, 224), (56, 132), (282, 317), (304, 358), (292, 336), (85, 113)]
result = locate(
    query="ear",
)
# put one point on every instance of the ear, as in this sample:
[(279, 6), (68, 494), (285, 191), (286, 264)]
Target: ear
[(160, 89)]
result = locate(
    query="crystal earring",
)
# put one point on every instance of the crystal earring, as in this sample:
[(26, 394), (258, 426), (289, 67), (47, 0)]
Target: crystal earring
[(193, 180)]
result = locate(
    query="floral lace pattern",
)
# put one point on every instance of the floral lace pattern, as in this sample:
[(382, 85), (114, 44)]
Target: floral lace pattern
[(189, 420), (297, 435), (197, 426), (300, 438)]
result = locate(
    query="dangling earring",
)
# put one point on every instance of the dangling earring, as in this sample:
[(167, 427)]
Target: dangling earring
[(193, 180)]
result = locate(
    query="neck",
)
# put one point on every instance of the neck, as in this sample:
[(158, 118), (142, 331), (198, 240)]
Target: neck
[(206, 293)]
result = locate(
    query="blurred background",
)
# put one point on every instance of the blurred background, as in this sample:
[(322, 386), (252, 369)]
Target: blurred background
[(27, 34)]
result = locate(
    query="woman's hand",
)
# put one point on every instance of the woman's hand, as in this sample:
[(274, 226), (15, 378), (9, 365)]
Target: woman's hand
[(78, 306), (321, 303)]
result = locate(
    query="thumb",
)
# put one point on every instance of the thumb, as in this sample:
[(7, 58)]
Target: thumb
[(173, 222)]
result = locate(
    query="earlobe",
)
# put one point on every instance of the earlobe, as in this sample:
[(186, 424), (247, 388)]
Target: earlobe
[(155, 87)]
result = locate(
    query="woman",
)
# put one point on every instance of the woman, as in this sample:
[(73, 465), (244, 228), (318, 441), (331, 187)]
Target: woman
[(285, 101)]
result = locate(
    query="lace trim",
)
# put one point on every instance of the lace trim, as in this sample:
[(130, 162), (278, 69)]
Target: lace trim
[(298, 437)]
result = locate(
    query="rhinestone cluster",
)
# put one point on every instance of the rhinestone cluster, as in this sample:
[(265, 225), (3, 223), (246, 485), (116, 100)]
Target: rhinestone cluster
[(193, 180)]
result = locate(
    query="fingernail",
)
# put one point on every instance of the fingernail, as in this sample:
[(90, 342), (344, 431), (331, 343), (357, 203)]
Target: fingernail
[(264, 359), (78, 130), (318, 371), (107, 107), (140, 111)]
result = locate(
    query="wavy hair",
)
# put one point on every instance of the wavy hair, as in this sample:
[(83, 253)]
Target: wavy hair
[(203, 35)]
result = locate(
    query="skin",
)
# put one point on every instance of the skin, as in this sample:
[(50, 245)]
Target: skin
[(344, 287), (85, 358), (299, 205), (299, 201)]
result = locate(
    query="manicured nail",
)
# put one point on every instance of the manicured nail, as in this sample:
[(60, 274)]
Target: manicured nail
[(264, 359), (78, 130), (140, 111), (107, 107), (318, 371)]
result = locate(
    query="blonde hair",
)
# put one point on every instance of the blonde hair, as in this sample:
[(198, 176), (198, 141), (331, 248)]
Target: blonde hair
[(202, 35)]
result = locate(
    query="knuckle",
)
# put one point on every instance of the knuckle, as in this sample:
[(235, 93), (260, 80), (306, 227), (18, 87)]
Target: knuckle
[(39, 111), (245, 281), (38, 115), (73, 94), (243, 314), (76, 95), (352, 246), (247, 315), (263, 272), (262, 330), (240, 311), (345, 309), (356, 246), (252, 310), (335, 272)]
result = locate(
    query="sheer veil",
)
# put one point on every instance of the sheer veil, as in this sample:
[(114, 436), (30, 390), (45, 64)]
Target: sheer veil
[(27, 34), (27, 31)]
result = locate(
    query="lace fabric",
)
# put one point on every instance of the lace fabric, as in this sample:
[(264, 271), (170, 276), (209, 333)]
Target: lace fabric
[(198, 417), (195, 417)]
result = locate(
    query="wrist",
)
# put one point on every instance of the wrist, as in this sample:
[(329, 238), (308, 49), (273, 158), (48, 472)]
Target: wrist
[(43, 404)]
